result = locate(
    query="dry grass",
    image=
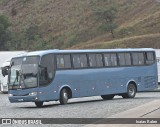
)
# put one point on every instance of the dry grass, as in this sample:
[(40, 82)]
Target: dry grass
[(143, 41), (68, 18)]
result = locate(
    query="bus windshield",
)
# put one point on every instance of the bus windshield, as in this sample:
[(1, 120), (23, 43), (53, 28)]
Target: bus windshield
[(24, 72)]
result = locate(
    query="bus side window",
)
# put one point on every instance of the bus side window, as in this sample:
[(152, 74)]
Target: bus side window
[(110, 59), (149, 57), (83, 60), (79, 60), (138, 58), (113, 59), (60, 61), (63, 61), (99, 60), (124, 59), (128, 58), (67, 61), (141, 58), (121, 58), (76, 61), (107, 59), (92, 60), (135, 58)]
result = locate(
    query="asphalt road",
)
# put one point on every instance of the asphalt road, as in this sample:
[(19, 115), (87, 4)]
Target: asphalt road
[(89, 107)]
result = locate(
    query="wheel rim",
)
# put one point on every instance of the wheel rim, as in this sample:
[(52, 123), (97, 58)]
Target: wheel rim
[(131, 91), (65, 96)]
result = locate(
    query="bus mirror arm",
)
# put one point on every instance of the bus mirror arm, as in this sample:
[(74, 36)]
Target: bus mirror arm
[(12, 64), (40, 66)]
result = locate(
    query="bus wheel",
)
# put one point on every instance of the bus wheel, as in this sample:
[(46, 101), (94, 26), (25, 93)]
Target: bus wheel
[(131, 91), (107, 97), (64, 96), (39, 104)]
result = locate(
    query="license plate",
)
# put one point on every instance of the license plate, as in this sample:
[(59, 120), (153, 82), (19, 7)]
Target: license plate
[(20, 99)]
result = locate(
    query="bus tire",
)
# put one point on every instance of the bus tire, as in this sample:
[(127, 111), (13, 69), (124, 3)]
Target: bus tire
[(64, 96), (39, 104), (107, 97), (131, 91)]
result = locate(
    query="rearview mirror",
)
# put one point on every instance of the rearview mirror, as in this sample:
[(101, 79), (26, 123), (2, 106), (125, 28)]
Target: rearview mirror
[(5, 71)]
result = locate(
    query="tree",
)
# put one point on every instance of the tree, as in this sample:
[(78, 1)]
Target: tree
[(4, 24), (31, 32), (107, 17)]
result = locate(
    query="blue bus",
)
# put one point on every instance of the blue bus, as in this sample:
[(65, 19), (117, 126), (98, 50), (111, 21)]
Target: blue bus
[(53, 75)]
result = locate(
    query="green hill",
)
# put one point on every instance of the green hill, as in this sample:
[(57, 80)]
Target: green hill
[(44, 24)]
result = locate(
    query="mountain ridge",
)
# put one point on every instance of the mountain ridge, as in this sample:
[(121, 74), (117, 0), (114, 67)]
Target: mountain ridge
[(66, 24)]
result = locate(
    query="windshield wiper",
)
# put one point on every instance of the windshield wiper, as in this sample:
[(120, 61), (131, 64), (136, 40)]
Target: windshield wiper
[(22, 79)]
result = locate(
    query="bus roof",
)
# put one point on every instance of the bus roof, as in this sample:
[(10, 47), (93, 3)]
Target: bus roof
[(43, 52)]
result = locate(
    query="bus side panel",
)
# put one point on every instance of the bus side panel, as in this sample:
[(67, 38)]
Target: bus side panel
[(101, 81), (90, 82), (150, 79)]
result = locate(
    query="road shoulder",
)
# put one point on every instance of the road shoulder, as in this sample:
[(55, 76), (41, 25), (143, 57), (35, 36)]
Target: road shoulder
[(148, 110)]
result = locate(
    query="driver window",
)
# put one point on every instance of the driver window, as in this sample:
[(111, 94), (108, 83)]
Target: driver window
[(46, 69)]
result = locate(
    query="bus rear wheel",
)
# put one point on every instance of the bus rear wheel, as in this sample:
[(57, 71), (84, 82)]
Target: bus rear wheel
[(39, 104), (64, 96), (107, 97), (131, 91)]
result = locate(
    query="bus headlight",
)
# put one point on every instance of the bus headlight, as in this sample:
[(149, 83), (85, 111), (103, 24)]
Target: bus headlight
[(33, 94), (10, 95)]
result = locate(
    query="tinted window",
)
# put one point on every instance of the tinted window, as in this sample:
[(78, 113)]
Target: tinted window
[(95, 60), (67, 61), (110, 59), (107, 59), (149, 57), (138, 58), (60, 61), (128, 58), (113, 59), (99, 60), (46, 69), (124, 59), (76, 61), (83, 60), (63, 61), (79, 60), (121, 58), (92, 60)]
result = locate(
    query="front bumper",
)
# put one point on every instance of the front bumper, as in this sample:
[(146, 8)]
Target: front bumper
[(15, 99)]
